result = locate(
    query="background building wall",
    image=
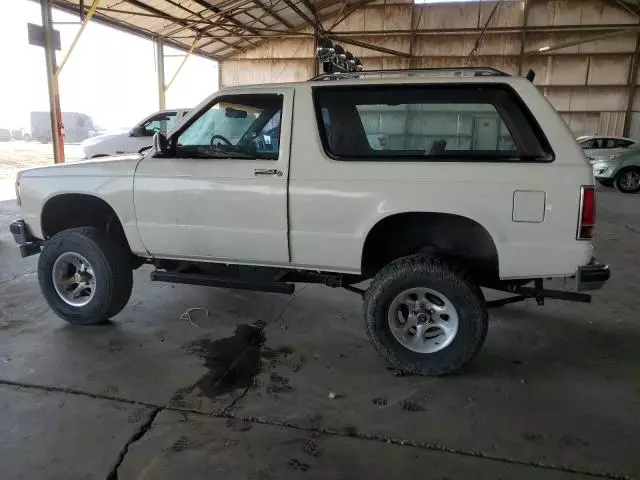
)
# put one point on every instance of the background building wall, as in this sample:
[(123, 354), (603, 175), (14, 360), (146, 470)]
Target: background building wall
[(588, 83)]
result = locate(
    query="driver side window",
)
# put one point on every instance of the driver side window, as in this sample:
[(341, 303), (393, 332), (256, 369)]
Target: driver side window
[(235, 126)]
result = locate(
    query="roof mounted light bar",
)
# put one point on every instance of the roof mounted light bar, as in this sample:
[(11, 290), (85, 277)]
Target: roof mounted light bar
[(335, 59)]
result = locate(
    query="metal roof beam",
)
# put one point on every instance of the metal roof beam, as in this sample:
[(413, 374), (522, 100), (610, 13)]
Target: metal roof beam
[(273, 14), (314, 11), (628, 6), (125, 27), (348, 13), (300, 13), (179, 21), (227, 16), (224, 7), (370, 46)]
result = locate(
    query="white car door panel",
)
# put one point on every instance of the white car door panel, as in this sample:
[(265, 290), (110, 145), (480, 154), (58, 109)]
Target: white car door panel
[(219, 208)]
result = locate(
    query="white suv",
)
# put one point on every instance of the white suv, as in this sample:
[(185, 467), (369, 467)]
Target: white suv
[(430, 184), (136, 139)]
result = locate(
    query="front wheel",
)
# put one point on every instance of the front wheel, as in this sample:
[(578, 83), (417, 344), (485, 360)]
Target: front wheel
[(424, 316), (628, 181), (85, 275)]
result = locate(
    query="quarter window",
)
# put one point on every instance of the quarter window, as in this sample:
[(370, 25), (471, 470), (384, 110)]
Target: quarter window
[(427, 123), (621, 143)]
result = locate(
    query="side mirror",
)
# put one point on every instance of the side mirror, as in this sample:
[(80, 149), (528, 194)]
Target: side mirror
[(138, 132), (160, 143)]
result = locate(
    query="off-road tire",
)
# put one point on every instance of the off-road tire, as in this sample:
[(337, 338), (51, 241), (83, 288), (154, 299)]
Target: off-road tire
[(433, 273), (113, 274)]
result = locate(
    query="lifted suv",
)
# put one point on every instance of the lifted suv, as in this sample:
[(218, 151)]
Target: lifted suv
[(430, 183)]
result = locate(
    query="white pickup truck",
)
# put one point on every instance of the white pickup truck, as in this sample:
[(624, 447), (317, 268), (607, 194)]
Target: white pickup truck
[(430, 184)]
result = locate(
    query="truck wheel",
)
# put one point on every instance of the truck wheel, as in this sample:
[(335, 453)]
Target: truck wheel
[(424, 316), (85, 275), (628, 180)]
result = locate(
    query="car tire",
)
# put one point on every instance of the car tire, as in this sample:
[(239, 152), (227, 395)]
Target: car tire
[(26, 137), (628, 180), (90, 258), (438, 296)]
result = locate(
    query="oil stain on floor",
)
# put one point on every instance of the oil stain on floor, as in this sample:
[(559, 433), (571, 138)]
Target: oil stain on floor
[(232, 363)]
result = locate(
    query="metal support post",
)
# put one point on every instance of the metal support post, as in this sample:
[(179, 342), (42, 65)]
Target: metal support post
[(85, 21), (523, 35), (52, 82), (184, 60), (159, 47), (632, 85)]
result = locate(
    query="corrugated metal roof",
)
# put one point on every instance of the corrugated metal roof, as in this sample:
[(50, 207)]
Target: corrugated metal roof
[(220, 28)]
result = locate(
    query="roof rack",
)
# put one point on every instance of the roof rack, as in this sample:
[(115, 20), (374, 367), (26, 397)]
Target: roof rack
[(454, 72)]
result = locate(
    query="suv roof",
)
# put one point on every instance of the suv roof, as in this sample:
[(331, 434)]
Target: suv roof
[(409, 76)]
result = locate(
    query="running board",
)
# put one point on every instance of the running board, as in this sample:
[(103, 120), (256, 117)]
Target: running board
[(222, 282)]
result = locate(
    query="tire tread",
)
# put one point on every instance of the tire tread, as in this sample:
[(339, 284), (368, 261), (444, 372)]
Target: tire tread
[(437, 268), (116, 261)]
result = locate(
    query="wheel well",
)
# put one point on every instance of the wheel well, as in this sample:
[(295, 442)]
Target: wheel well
[(635, 168), (73, 210), (456, 238)]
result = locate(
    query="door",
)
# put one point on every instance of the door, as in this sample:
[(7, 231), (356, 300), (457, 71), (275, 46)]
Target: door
[(221, 194)]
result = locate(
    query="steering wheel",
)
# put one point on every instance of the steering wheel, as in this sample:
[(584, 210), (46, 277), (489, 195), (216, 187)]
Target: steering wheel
[(219, 137)]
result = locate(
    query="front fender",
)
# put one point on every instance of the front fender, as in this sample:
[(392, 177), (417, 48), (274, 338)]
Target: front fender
[(109, 180)]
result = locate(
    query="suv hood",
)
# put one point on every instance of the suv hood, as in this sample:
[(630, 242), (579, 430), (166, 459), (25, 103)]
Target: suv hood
[(119, 166)]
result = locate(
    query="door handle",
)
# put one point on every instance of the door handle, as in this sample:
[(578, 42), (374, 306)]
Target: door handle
[(267, 171)]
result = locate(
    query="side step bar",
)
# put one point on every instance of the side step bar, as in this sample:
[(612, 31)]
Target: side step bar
[(223, 282)]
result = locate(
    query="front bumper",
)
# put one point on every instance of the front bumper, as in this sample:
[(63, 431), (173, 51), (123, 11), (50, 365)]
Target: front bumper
[(592, 276), (29, 245), (605, 171)]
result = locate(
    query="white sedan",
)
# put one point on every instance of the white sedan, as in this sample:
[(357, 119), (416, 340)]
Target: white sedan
[(598, 145), (136, 139)]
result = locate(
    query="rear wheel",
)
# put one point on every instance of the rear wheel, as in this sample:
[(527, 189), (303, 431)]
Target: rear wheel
[(26, 137), (424, 316), (85, 275), (628, 181)]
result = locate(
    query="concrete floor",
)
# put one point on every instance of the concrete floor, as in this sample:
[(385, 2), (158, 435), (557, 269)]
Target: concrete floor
[(555, 393)]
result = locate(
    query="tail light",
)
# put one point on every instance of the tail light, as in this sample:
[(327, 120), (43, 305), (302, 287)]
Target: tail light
[(587, 220)]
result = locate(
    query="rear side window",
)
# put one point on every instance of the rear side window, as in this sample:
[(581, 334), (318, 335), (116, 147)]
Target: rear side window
[(618, 143), (423, 123)]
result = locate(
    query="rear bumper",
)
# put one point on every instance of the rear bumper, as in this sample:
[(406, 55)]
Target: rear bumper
[(592, 276), (29, 245)]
